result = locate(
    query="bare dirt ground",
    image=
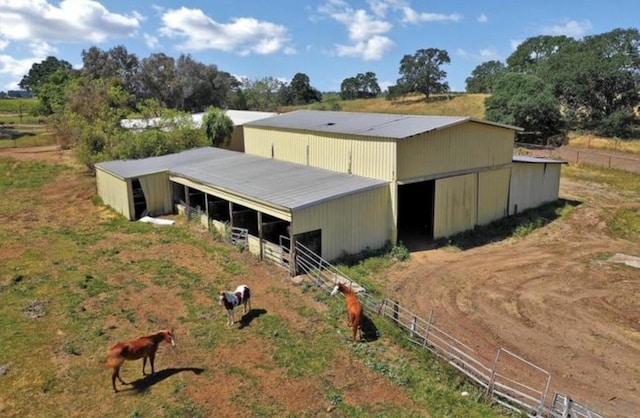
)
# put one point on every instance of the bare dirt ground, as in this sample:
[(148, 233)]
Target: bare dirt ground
[(552, 298)]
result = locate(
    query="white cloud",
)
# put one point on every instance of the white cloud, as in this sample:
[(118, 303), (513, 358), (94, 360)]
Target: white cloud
[(365, 31), (14, 68), (380, 7), (370, 50), (151, 41), (3, 44), (69, 21), (245, 35), (42, 49), (482, 55), (569, 28), (483, 18), (515, 43), (411, 16)]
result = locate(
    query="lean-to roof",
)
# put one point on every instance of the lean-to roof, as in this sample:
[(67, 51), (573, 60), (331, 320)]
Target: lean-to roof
[(280, 183)]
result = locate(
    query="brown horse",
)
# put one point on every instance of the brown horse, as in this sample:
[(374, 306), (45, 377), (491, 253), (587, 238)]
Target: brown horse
[(354, 308), (138, 349)]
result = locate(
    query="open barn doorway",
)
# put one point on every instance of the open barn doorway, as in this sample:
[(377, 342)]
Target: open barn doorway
[(139, 201), (415, 213)]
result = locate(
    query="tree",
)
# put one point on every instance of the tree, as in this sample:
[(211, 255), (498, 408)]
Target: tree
[(524, 100), (484, 77), (531, 55), (421, 72), (598, 81), (40, 73), (217, 126), (299, 91), (262, 94), (361, 86)]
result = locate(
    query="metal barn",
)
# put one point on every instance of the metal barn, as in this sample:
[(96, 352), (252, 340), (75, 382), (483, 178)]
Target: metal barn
[(446, 174), (534, 182), (332, 213)]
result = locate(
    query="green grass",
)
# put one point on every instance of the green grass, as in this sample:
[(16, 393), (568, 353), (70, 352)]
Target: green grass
[(72, 289), (18, 105)]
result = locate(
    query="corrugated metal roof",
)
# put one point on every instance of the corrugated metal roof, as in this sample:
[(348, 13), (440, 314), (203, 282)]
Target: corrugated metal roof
[(239, 117), (279, 183), (384, 125), (145, 166), (536, 160)]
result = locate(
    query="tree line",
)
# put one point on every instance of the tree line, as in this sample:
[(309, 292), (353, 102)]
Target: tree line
[(548, 85)]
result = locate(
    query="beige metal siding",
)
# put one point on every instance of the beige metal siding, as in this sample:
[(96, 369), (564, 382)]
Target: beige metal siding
[(349, 224), (493, 195), (115, 192), (533, 185), (157, 193), (455, 205), (362, 156), (464, 147)]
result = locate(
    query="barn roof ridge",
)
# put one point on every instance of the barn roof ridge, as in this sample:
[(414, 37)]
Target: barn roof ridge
[(382, 125)]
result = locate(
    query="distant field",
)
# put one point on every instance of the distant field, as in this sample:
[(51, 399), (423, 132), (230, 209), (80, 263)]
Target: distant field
[(17, 106)]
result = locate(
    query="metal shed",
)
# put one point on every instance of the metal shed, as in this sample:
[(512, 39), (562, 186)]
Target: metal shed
[(446, 173), (534, 182), (326, 209)]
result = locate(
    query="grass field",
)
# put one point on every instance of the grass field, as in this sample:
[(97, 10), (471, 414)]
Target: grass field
[(75, 278), (18, 126)]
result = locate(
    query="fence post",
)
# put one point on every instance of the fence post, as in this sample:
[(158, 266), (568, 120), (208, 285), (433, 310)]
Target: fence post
[(577, 156), (426, 334), (413, 327), (609, 161), (382, 309), (396, 311), (492, 379)]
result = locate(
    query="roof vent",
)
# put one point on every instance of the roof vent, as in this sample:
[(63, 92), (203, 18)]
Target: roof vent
[(331, 123)]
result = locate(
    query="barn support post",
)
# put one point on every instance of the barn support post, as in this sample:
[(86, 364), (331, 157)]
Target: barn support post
[(293, 256), (260, 236), (396, 311), (230, 214)]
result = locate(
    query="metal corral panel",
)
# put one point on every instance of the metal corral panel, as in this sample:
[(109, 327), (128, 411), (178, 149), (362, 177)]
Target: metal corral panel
[(464, 147), (349, 224), (493, 195), (115, 192), (362, 156), (455, 205), (534, 182)]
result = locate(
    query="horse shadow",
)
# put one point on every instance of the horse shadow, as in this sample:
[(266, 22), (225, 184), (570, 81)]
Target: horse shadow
[(368, 330), (143, 384), (246, 319)]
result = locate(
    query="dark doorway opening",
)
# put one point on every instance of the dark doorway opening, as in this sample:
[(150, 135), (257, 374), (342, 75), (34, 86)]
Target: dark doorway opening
[(415, 212), (139, 202)]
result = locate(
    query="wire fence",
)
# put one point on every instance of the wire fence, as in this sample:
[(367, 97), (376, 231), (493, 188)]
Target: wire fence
[(509, 379)]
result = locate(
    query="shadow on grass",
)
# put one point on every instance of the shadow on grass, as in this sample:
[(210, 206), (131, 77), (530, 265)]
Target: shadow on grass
[(246, 319), (518, 225), (512, 226), (368, 330), (143, 384)]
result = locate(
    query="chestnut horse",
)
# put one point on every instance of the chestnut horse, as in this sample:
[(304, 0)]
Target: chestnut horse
[(354, 308), (138, 349), (240, 296)]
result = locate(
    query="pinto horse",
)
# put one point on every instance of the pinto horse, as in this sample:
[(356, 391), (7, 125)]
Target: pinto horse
[(141, 348), (240, 296), (354, 307)]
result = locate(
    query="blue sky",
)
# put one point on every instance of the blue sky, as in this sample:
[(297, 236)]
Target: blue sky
[(329, 40)]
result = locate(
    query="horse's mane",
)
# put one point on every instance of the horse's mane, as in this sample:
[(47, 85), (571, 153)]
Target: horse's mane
[(344, 289)]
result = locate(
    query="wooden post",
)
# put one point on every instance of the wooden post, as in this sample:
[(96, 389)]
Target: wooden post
[(426, 334), (413, 327), (396, 310), (260, 236)]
